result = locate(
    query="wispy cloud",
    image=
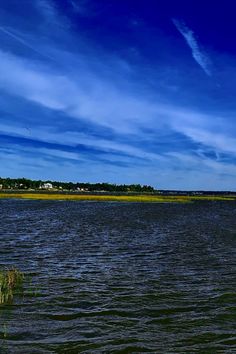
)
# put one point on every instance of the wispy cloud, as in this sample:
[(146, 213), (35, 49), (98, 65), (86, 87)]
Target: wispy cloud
[(82, 7), (22, 41), (105, 117), (199, 56), (48, 10), (96, 100)]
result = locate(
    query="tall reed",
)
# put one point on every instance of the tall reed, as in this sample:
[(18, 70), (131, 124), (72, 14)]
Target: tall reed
[(11, 283)]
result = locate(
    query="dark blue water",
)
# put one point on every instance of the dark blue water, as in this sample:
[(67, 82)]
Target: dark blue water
[(120, 278)]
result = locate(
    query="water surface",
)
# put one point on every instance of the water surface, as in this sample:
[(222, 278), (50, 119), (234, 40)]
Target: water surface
[(120, 277)]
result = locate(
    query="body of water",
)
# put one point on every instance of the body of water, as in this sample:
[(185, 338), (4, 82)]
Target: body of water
[(120, 277)]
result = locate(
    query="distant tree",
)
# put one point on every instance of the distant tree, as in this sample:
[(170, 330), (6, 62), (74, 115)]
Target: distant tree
[(24, 183)]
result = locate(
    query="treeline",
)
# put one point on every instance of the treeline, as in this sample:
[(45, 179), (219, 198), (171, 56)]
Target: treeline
[(24, 183)]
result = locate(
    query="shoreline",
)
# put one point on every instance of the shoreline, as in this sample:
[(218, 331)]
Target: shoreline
[(144, 198)]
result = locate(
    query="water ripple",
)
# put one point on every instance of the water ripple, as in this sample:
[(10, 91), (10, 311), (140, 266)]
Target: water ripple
[(120, 278)]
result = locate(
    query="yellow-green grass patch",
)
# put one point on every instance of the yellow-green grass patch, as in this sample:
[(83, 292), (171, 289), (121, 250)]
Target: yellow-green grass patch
[(116, 198), (11, 282)]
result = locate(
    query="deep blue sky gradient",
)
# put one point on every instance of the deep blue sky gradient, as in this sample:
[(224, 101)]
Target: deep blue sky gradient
[(119, 91)]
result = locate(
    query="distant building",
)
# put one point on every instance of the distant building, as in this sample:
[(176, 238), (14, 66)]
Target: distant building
[(47, 186), (1, 186), (82, 189)]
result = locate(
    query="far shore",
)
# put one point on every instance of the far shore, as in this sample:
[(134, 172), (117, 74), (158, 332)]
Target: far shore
[(143, 198)]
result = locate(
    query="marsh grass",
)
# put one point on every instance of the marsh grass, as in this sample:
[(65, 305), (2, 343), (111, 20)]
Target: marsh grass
[(11, 283), (118, 198)]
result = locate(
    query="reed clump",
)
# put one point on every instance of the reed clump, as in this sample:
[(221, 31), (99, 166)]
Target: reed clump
[(11, 283)]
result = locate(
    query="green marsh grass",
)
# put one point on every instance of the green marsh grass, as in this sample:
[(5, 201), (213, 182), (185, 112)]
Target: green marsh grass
[(11, 283), (117, 198)]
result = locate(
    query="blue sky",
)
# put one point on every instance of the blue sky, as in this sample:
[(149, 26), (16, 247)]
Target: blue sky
[(119, 91)]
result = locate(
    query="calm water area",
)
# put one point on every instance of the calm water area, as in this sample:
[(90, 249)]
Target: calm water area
[(120, 277)]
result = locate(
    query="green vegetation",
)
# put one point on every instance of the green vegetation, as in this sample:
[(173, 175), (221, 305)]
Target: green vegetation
[(116, 198), (24, 183), (11, 283), (54, 190)]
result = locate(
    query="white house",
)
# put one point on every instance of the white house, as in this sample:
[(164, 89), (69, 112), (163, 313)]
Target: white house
[(47, 186)]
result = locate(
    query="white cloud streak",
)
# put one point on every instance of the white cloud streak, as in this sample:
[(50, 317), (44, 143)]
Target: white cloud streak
[(199, 56), (23, 42), (107, 105), (50, 14), (99, 97)]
